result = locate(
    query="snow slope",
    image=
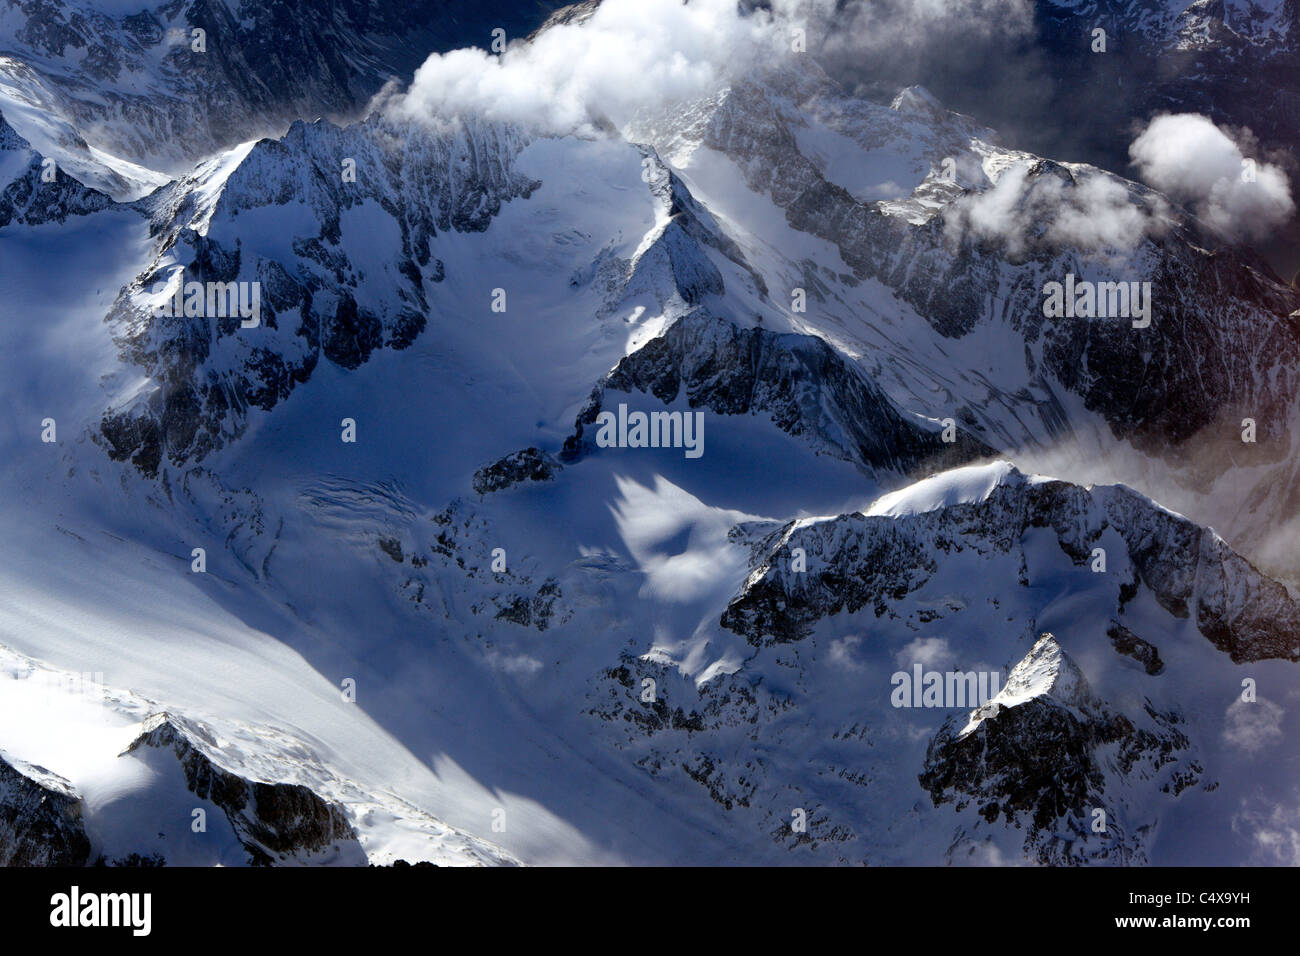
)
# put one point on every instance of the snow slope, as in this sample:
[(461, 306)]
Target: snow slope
[(475, 634)]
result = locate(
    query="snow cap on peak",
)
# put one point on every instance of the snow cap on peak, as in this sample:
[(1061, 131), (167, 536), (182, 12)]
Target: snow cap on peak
[(967, 485), (1046, 671), (162, 729), (917, 100), (39, 775)]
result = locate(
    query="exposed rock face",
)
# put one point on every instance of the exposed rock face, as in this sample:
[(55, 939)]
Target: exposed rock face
[(1048, 770), (804, 386), (1228, 60), (148, 94), (857, 560), (1130, 645), (40, 818), (792, 715), (272, 820), (458, 538), (1192, 571), (1222, 303), (1206, 300), (1040, 754), (573, 14), (712, 742), (689, 230), (208, 370), (29, 199), (531, 464)]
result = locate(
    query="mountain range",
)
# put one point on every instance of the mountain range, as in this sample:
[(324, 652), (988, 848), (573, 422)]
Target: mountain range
[(363, 573)]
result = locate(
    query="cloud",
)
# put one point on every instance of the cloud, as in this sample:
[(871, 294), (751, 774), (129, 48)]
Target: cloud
[(1253, 725), (516, 665), (634, 56), (967, 852), (932, 653), (1044, 204), (843, 651), (1198, 163), (1275, 831), (629, 56)]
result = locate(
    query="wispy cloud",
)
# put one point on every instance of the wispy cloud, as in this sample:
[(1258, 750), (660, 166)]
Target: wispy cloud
[(1045, 204), (1253, 725)]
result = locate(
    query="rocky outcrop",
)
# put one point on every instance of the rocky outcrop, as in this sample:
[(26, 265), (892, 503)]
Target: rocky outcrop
[(139, 82), (273, 821), (1130, 645), (800, 383), (1192, 572), (40, 818), (1039, 756), (41, 193), (460, 539), (531, 464), (207, 371), (1207, 298), (860, 561)]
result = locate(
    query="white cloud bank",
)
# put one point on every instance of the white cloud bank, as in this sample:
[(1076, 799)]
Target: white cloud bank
[(629, 56), (632, 57), (1198, 163)]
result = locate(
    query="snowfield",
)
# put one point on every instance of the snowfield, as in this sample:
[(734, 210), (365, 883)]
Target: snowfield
[(289, 581)]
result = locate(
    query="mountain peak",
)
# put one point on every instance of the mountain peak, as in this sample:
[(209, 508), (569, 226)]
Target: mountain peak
[(1046, 671), (919, 101)]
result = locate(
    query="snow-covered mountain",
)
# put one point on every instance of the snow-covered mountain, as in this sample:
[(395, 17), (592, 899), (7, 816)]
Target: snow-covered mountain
[(125, 96), (1076, 79), (590, 496), (1227, 59)]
